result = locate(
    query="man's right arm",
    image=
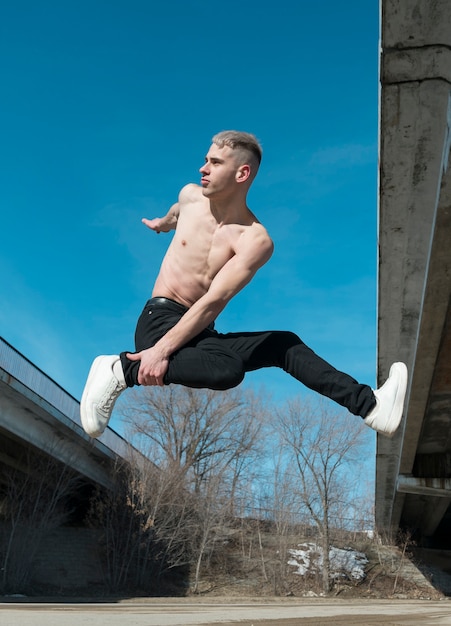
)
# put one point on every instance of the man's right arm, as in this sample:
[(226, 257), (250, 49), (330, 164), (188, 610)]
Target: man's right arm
[(166, 223), (169, 222)]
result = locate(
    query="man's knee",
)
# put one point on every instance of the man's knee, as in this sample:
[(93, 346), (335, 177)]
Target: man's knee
[(226, 373), (280, 342), (227, 379), (289, 339)]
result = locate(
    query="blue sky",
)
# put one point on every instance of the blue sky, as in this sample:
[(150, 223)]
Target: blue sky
[(107, 110)]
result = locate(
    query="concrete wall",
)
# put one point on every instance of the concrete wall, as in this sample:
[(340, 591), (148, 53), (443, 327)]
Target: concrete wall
[(68, 560)]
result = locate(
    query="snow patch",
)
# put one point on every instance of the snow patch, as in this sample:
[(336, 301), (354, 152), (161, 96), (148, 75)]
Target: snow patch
[(346, 563)]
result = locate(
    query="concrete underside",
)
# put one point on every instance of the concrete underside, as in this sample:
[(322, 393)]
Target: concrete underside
[(38, 416)]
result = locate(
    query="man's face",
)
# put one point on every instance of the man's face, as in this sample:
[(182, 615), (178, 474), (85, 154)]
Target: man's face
[(219, 172)]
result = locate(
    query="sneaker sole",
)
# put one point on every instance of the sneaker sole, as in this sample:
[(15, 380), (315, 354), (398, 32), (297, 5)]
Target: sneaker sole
[(91, 429), (398, 407)]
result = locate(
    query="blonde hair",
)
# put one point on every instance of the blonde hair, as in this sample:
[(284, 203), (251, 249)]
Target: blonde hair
[(242, 142)]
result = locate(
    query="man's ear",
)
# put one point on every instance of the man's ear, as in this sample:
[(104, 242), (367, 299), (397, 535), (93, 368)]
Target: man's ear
[(243, 173)]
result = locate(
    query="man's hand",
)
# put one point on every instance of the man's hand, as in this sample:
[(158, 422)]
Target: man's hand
[(166, 223), (159, 224), (153, 366)]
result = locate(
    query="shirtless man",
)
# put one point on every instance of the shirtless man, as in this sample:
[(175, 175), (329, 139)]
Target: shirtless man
[(217, 248)]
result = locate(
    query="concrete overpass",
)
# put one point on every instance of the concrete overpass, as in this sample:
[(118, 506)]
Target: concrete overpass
[(36, 413), (413, 470)]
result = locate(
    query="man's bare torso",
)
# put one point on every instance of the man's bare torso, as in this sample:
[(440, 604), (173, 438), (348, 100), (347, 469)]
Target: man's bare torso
[(200, 248)]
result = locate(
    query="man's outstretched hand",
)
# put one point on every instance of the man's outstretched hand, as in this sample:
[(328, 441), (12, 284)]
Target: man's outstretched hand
[(159, 224)]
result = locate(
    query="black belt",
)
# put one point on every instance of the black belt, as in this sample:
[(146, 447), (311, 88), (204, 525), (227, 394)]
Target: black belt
[(172, 305), (167, 303)]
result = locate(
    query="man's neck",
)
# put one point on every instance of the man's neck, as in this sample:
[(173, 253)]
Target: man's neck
[(229, 210)]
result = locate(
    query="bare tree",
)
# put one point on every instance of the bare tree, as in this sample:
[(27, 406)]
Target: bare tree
[(210, 441), (212, 515), (323, 445), (148, 522), (200, 431), (285, 514)]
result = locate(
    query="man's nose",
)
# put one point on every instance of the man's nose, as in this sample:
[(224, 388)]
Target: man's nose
[(203, 169)]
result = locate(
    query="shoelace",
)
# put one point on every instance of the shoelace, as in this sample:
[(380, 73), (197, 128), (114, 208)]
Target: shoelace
[(110, 397)]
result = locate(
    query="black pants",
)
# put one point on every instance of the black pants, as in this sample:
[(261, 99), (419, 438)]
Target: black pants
[(219, 361)]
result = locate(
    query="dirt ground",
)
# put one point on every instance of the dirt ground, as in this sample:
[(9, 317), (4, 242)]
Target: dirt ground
[(287, 612)]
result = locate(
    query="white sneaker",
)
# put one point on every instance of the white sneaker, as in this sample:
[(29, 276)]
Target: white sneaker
[(386, 415), (104, 385)]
